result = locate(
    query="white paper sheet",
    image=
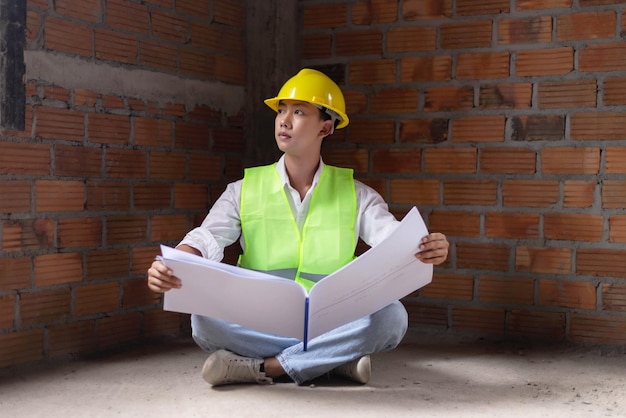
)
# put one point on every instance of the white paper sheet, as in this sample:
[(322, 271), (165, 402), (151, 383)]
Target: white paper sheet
[(255, 300), (383, 274)]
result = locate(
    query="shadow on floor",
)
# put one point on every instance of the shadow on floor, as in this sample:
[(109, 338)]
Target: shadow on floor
[(430, 375)]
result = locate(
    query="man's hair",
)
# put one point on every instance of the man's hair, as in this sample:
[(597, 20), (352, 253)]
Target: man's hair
[(326, 116)]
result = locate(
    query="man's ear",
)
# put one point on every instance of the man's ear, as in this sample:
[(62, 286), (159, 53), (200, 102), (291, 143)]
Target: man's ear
[(327, 128)]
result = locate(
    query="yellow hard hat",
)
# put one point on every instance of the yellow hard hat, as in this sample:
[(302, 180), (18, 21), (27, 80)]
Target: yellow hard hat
[(317, 88)]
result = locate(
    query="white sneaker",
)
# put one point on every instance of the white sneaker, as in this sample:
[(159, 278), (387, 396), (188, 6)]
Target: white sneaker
[(359, 370), (225, 368)]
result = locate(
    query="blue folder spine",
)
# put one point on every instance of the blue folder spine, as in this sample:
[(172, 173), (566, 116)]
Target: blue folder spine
[(306, 323)]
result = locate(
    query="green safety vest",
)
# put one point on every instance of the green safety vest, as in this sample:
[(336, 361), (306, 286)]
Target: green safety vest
[(273, 242)]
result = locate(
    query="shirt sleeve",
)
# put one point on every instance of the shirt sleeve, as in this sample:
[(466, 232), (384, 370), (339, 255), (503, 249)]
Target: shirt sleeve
[(220, 228), (374, 219)]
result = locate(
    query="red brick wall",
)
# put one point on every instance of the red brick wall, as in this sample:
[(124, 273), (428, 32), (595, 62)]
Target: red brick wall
[(98, 179), (504, 122)]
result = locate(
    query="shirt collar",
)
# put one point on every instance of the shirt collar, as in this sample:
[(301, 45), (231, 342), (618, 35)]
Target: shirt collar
[(282, 172)]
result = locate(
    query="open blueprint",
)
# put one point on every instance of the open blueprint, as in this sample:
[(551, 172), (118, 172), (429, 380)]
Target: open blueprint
[(385, 273)]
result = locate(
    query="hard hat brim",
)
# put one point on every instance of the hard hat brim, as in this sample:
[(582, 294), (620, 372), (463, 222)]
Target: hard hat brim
[(272, 103)]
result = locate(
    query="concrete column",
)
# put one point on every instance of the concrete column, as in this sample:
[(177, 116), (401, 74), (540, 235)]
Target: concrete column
[(272, 56)]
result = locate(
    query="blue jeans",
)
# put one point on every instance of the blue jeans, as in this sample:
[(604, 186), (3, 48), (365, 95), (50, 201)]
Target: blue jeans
[(381, 331)]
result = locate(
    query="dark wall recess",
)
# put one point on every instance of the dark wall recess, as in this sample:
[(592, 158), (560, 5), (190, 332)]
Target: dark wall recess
[(12, 42)]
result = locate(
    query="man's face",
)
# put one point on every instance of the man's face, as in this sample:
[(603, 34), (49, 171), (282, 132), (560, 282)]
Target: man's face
[(298, 127)]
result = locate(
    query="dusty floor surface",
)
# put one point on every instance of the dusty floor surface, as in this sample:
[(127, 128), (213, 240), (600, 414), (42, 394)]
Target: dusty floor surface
[(428, 376)]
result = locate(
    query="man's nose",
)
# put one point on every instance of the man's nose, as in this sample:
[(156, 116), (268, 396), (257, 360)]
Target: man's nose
[(285, 118)]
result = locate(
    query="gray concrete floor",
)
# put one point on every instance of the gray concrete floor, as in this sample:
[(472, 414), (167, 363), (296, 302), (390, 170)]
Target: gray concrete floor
[(429, 375)]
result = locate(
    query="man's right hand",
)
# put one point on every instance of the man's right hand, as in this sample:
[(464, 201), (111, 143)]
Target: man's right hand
[(161, 278)]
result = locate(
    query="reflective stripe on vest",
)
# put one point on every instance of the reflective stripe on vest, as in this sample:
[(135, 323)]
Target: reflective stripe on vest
[(272, 240)]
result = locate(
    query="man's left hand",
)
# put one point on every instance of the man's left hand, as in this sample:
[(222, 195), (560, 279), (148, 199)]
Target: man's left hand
[(433, 249)]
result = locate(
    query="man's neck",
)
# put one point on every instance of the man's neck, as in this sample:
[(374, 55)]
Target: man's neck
[(301, 172)]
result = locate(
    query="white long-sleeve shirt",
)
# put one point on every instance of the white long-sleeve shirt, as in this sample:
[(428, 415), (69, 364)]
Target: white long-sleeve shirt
[(222, 226)]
